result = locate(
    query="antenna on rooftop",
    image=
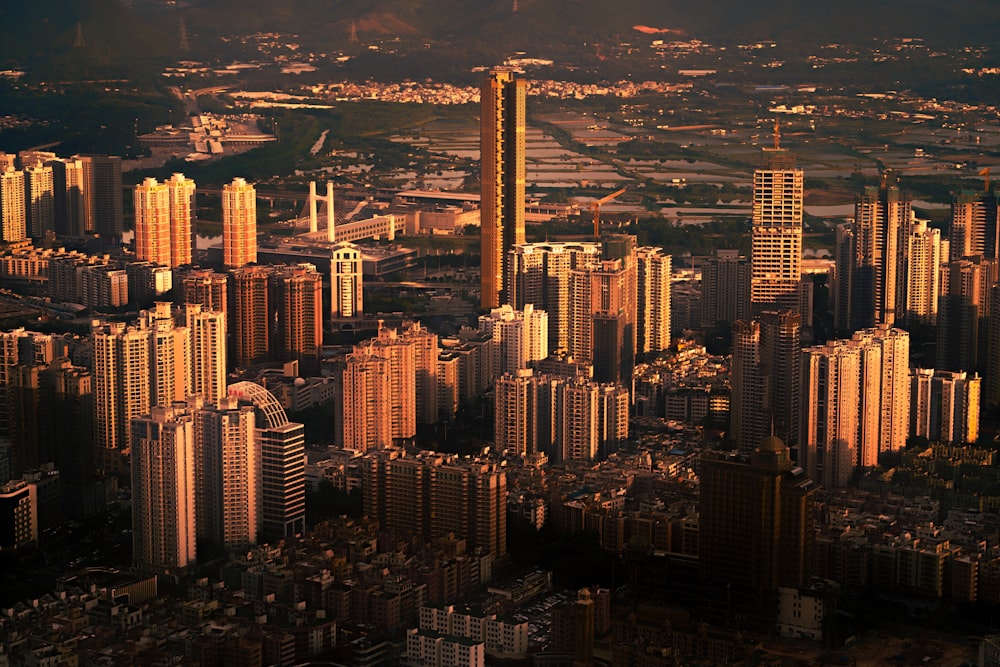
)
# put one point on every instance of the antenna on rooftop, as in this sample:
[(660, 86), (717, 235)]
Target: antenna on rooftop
[(777, 134), (985, 171)]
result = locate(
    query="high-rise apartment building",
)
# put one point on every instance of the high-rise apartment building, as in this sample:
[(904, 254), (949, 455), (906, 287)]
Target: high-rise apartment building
[(975, 225), (923, 273), (249, 316), (502, 153), (523, 420), (959, 312), (103, 189), (748, 423), (652, 299), (182, 213), (540, 275), (346, 278), (297, 299), (364, 416), (520, 336), (13, 220), (944, 405), (601, 322), (229, 476), (239, 224), (855, 403), (207, 330), (39, 199), (207, 288), (164, 525), (776, 233), (871, 262), (755, 533), (725, 287), (401, 355), (70, 196), (152, 222), (282, 462), (121, 364), (432, 495)]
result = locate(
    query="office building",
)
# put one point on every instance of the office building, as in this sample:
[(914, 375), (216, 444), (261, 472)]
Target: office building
[(755, 533), (540, 275), (725, 287), (653, 271), (520, 336), (923, 273), (282, 462), (13, 220), (229, 474), (39, 200), (346, 294), (163, 489), (239, 224), (776, 233), (502, 177)]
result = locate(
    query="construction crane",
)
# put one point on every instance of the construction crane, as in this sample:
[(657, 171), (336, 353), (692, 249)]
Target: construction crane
[(985, 171), (596, 206)]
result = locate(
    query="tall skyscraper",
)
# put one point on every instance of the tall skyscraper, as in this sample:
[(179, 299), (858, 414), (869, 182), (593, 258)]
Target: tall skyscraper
[(239, 224), (756, 533), (13, 220), (959, 312), (781, 370), (249, 316), (520, 336), (923, 273), (229, 475), (163, 489), (103, 189), (39, 199), (974, 225), (282, 460), (776, 233), (652, 300), (540, 275), (502, 153), (208, 352), (70, 196), (182, 210), (725, 287), (152, 222), (346, 277), (297, 299), (871, 267), (748, 422)]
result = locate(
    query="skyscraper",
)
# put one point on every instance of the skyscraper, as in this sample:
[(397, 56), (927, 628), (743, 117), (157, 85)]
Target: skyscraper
[(13, 221), (520, 336), (871, 267), (756, 533), (297, 299), (239, 224), (182, 206), (923, 273), (974, 225), (208, 351), (249, 316), (748, 422), (70, 196), (959, 312), (725, 287), (39, 199), (652, 299), (152, 222), (346, 295), (163, 488), (121, 387), (502, 152), (282, 462), (776, 232), (365, 391), (103, 189), (207, 288)]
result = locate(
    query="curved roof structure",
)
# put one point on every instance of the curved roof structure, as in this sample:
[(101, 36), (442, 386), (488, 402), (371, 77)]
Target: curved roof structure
[(267, 405)]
